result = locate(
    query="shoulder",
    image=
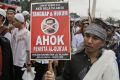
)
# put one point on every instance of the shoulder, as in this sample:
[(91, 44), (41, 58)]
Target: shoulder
[(8, 36), (111, 70), (26, 31), (110, 57), (109, 53), (14, 31), (78, 56), (4, 40), (3, 30)]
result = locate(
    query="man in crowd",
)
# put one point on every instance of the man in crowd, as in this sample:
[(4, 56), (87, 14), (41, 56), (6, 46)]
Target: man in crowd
[(9, 19), (20, 46), (93, 62), (6, 59), (26, 15)]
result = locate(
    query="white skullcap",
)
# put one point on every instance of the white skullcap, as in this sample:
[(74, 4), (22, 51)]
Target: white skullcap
[(25, 13), (19, 17), (2, 12)]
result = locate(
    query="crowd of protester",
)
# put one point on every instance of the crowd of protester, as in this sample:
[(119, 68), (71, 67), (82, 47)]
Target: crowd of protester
[(95, 50)]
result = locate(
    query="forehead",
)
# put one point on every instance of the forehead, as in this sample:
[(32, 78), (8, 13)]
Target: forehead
[(50, 21), (91, 35), (9, 12)]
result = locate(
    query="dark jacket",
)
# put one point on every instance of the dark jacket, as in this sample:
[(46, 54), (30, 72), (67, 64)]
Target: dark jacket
[(7, 73), (76, 68)]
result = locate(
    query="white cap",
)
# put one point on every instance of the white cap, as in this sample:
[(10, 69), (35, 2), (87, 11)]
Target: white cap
[(25, 13), (2, 12), (20, 17)]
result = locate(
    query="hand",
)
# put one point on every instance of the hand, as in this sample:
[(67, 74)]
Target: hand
[(28, 68), (49, 76), (55, 62)]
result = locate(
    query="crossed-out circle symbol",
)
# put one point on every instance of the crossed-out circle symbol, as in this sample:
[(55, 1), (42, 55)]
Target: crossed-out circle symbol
[(49, 26)]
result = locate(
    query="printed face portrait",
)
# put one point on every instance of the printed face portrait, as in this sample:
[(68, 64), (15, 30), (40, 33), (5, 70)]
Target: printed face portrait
[(49, 26)]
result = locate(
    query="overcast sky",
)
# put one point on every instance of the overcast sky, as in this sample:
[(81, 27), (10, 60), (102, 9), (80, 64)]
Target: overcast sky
[(104, 8)]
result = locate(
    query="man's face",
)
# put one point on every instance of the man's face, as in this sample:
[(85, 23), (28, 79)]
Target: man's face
[(10, 16), (92, 43), (16, 23)]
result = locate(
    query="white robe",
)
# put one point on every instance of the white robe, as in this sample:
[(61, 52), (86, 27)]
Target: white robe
[(105, 68), (76, 39)]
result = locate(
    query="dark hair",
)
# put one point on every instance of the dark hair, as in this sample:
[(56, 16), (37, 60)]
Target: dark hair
[(11, 10), (100, 22), (50, 19), (111, 28)]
